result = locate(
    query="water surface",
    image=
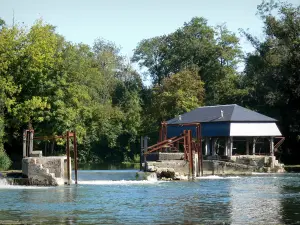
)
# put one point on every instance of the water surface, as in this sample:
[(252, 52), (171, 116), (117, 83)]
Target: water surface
[(115, 197)]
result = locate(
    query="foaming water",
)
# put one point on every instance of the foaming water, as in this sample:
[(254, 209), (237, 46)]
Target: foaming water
[(5, 185), (215, 177), (119, 182), (3, 182), (129, 178)]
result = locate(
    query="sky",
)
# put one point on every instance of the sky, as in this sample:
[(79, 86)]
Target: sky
[(128, 22)]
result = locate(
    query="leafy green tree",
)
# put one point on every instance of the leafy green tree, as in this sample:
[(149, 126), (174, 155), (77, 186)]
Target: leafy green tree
[(214, 52), (272, 71), (150, 53), (180, 93), (53, 86)]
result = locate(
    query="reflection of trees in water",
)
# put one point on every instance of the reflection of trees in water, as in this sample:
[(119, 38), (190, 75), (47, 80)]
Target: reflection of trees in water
[(201, 202), (290, 202), (255, 200), (42, 205)]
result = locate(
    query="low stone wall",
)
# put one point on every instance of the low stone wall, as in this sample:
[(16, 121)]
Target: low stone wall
[(215, 167), (177, 167), (210, 167), (238, 166), (157, 156), (253, 160), (268, 162)]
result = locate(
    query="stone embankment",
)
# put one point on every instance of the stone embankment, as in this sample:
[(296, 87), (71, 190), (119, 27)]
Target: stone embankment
[(172, 166)]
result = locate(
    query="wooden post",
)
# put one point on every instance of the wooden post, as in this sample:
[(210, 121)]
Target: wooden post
[(75, 156), (272, 146), (145, 147), (141, 154), (201, 153), (68, 159), (230, 146), (226, 147), (247, 146), (185, 144), (206, 146), (213, 147), (189, 140), (253, 146), (198, 151), (24, 144), (31, 142), (272, 152)]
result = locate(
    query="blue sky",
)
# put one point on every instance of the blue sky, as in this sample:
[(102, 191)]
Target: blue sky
[(128, 22)]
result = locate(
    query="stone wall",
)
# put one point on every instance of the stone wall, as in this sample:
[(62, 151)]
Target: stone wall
[(257, 160), (156, 156), (45, 170), (215, 167), (235, 165), (180, 167)]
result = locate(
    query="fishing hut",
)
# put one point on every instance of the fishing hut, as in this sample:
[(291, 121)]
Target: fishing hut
[(221, 139)]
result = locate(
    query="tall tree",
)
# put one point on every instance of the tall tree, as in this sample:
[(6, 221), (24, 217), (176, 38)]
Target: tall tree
[(178, 94), (150, 54), (272, 71), (215, 52)]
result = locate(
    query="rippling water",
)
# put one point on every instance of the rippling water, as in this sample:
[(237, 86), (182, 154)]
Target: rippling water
[(114, 197)]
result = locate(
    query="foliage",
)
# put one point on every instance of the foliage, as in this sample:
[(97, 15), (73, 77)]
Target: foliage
[(214, 51), (52, 85), (180, 93), (272, 71), (5, 161)]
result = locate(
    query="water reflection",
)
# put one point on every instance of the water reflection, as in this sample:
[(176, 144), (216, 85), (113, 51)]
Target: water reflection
[(38, 205), (290, 200), (209, 203), (255, 200)]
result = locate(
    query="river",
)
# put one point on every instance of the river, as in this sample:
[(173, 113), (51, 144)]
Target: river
[(115, 197)]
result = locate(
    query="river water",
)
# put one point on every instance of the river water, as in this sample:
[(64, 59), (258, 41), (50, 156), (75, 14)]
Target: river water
[(115, 197)]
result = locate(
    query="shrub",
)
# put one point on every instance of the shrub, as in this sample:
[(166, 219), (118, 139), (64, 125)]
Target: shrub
[(5, 161)]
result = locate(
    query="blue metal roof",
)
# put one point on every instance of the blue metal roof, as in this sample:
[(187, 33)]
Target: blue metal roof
[(220, 113)]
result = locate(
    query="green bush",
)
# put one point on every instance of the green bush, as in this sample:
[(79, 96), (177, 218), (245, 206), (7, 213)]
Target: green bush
[(5, 161)]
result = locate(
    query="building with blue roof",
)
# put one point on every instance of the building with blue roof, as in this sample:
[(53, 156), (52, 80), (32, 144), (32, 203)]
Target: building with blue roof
[(228, 129)]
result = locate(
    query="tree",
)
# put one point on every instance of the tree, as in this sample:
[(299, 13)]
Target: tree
[(215, 52), (178, 94), (150, 54), (272, 71), (51, 85)]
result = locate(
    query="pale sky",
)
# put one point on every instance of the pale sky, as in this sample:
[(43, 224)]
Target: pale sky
[(128, 22)]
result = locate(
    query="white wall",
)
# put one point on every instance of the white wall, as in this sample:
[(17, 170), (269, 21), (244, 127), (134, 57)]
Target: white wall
[(254, 129)]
